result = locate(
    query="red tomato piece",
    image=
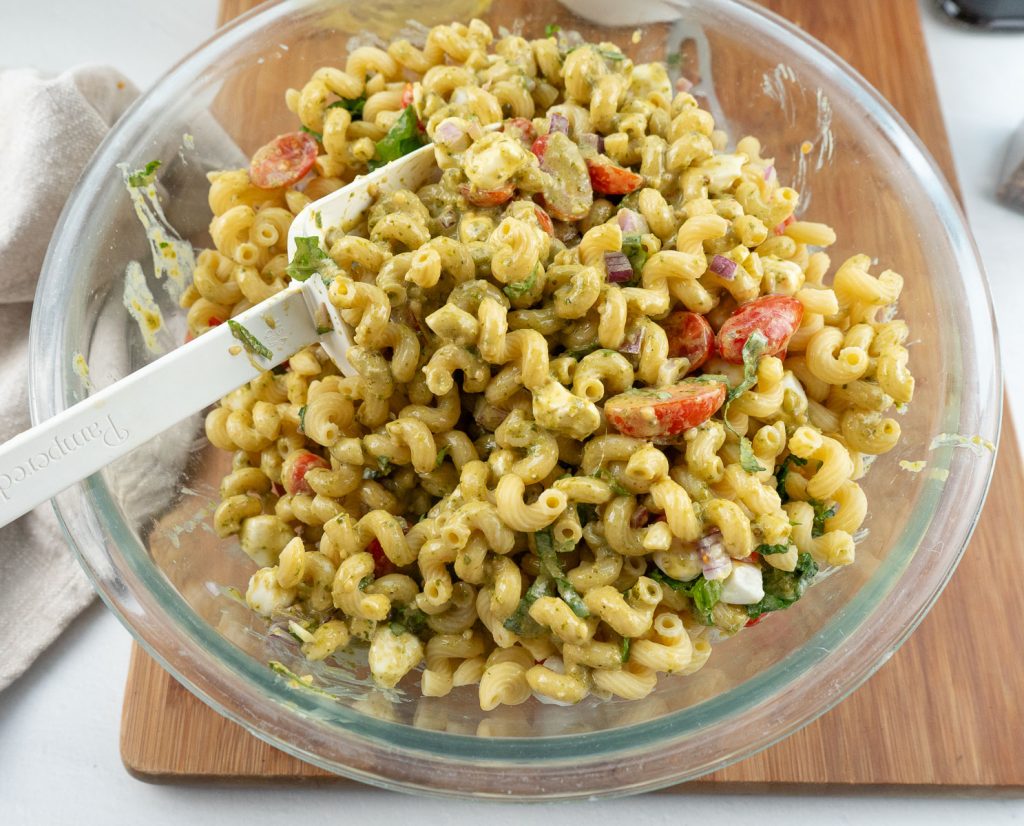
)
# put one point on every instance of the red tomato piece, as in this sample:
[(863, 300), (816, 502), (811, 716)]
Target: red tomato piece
[(522, 128), (284, 161), (545, 221), (689, 336), (296, 466), (608, 178), (214, 321), (664, 412), (777, 317), (540, 146), (751, 622), (381, 564), (487, 197), (188, 336), (407, 95), (781, 227)]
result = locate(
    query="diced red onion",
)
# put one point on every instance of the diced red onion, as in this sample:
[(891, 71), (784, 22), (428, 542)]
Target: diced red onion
[(768, 172), (639, 517), (633, 343), (714, 559), (723, 267), (631, 222), (558, 123), (683, 85), (450, 135), (618, 267)]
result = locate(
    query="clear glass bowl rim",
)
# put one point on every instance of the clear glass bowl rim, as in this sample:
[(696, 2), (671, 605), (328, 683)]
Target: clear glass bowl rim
[(599, 763)]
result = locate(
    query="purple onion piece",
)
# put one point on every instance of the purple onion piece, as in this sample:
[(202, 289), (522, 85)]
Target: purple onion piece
[(593, 140), (723, 267), (633, 343), (618, 267), (715, 562), (768, 171), (631, 222), (683, 84), (639, 517), (558, 123)]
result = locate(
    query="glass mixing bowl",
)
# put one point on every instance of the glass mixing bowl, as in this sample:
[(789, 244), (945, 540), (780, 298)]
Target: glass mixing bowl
[(142, 527)]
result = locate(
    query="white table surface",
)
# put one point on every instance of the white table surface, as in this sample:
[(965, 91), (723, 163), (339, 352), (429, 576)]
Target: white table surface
[(59, 759)]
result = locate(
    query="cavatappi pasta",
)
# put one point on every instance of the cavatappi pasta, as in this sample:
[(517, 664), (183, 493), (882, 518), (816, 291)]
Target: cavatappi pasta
[(610, 405)]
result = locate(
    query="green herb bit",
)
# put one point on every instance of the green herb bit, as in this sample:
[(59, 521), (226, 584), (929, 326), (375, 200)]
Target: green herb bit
[(318, 219), (553, 567), (517, 289), (584, 352), (608, 54), (705, 593), (636, 252), (441, 456), (144, 176), (365, 582), (302, 419), (353, 105), (783, 588), (821, 513), (753, 349), (521, 622), (624, 650), (551, 29), (586, 512), (605, 476), (403, 137), (768, 550), (783, 472), (307, 258), (318, 135), (252, 344), (164, 245)]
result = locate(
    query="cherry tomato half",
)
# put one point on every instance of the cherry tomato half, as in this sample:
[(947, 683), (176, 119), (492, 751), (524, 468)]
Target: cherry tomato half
[(487, 197), (689, 336), (608, 178), (296, 466), (777, 317), (381, 564), (284, 161), (664, 412)]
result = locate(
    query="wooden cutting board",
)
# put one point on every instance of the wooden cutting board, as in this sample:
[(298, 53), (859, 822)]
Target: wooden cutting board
[(946, 710)]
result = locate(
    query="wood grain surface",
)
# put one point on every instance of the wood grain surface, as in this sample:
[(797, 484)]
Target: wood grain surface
[(946, 710)]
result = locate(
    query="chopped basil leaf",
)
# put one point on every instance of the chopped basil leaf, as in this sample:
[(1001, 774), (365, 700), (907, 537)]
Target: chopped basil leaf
[(821, 513), (608, 54), (441, 454), (551, 29), (636, 252), (252, 344), (307, 258), (318, 219), (748, 461), (164, 245), (318, 135), (354, 105), (403, 137), (783, 588), (407, 618), (144, 176), (625, 646), (521, 622), (768, 550), (551, 565), (383, 468), (616, 486), (752, 352), (674, 59), (705, 593), (586, 512), (517, 289), (783, 472), (366, 581), (302, 419)]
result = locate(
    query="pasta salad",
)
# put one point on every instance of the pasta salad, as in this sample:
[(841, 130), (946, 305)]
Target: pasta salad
[(611, 404)]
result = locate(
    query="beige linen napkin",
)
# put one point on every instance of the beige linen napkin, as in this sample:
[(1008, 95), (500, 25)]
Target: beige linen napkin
[(49, 130)]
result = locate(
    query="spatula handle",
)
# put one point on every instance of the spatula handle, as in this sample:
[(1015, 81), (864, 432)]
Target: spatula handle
[(43, 461)]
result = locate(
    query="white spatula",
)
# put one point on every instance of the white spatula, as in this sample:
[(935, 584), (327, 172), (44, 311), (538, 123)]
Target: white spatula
[(43, 461)]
